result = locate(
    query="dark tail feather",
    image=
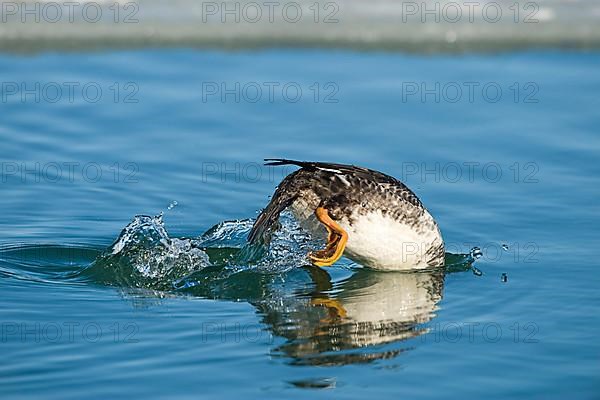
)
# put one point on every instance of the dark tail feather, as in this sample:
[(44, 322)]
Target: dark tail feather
[(285, 161)]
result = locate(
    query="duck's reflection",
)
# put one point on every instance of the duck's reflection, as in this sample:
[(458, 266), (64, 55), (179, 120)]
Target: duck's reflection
[(322, 321), (343, 323), (326, 322)]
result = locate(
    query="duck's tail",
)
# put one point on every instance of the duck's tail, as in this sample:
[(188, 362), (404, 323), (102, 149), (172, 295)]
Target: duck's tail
[(285, 161)]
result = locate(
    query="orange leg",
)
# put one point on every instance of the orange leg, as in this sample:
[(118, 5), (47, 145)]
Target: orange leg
[(335, 308), (336, 241)]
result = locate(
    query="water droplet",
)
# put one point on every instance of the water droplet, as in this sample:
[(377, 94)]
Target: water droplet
[(477, 271), (504, 277), (505, 246), (476, 253), (172, 205)]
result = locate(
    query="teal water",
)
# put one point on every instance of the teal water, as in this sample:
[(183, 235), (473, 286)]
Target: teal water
[(169, 311)]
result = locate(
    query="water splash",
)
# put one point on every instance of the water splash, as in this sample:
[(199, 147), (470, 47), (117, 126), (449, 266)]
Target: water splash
[(145, 255), (287, 249), (476, 253)]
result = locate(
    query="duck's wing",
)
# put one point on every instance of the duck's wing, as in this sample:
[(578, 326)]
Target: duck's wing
[(290, 188), (284, 196)]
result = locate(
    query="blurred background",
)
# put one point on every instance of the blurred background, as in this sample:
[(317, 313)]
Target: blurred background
[(424, 27)]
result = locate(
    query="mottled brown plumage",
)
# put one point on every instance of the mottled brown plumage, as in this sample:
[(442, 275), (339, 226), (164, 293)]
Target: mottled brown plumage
[(355, 197)]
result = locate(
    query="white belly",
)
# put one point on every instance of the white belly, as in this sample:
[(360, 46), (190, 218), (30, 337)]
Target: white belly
[(382, 242)]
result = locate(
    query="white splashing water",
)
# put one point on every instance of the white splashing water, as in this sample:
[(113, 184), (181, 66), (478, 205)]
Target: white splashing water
[(288, 247), (146, 245)]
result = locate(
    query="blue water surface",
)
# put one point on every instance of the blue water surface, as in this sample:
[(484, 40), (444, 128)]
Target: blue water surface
[(503, 149)]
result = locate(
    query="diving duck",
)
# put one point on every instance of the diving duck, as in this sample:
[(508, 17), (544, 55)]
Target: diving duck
[(370, 217)]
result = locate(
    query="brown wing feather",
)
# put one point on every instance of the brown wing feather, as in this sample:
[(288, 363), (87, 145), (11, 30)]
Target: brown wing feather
[(318, 174), (283, 197)]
